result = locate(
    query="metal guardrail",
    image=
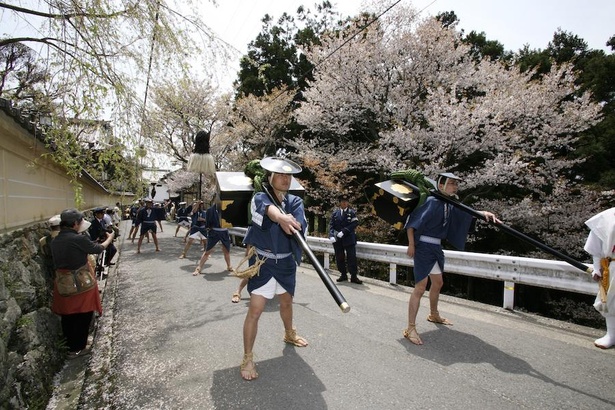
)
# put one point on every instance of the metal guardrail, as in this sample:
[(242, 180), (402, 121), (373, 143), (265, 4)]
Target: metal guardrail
[(507, 269)]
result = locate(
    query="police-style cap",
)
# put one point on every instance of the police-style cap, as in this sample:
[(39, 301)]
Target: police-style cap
[(280, 165), (99, 210), (343, 197)]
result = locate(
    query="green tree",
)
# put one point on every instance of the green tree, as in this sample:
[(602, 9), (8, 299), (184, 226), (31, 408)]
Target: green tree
[(95, 59), (275, 59)]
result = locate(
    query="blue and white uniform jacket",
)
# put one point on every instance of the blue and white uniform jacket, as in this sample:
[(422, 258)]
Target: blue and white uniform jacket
[(282, 251), (433, 222)]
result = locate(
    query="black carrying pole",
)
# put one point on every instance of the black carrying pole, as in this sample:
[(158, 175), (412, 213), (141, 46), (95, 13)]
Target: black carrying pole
[(505, 228), (333, 290)]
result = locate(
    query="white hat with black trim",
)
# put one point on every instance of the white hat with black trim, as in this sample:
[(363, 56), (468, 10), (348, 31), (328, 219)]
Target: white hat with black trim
[(280, 165)]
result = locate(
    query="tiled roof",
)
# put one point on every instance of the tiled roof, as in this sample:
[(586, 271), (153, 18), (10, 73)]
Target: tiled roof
[(24, 119)]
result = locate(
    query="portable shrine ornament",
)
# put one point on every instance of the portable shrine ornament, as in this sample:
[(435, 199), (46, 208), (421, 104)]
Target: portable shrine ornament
[(201, 160)]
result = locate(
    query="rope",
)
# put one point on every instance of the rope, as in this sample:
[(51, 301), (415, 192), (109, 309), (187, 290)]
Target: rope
[(416, 178), (251, 270)]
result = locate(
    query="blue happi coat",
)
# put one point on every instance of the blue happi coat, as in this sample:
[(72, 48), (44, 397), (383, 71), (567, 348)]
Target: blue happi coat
[(436, 219), (265, 235)]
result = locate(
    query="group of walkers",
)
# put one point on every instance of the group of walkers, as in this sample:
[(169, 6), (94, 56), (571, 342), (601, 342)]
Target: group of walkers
[(277, 216)]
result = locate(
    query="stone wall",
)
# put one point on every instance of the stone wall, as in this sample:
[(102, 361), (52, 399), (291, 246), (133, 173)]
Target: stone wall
[(31, 348)]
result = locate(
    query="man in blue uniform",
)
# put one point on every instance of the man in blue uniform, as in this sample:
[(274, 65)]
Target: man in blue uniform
[(198, 227), (271, 235), (341, 232), (147, 219), (183, 219), (215, 234), (426, 227)]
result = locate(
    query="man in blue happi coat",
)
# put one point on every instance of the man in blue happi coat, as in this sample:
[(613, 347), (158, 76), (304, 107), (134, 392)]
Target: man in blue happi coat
[(271, 236), (426, 227), (215, 234)]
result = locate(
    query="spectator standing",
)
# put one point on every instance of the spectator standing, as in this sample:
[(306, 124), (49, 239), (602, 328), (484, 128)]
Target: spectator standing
[(98, 231), (45, 243), (70, 250)]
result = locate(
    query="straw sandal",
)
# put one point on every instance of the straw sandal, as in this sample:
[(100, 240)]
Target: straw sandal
[(236, 297), (412, 335), (196, 272), (248, 368), (293, 338), (435, 317)]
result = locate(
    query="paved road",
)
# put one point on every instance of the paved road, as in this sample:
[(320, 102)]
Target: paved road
[(168, 340)]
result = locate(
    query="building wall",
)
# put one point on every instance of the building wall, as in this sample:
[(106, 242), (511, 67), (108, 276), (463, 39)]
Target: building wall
[(32, 187)]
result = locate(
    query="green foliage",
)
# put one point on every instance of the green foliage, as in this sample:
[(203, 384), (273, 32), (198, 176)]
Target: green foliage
[(483, 48), (274, 59), (24, 321), (579, 312)]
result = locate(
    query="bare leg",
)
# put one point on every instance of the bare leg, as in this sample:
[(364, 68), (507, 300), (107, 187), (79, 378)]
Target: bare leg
[(227, 258), (188, 244), (202, 261), (286, 313), (139, 244), (434, 295), (434, 291), (413, 308), (155, 237), (237, 295), (250, 329)]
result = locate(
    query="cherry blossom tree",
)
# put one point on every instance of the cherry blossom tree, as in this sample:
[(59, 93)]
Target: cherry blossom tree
[(408, 93), (181, 109), (257, 126)]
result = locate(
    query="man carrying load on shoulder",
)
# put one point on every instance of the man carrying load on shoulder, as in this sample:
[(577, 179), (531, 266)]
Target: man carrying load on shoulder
[(426, 227)]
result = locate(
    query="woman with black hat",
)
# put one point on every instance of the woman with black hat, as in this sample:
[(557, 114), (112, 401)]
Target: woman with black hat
[(70, 250)]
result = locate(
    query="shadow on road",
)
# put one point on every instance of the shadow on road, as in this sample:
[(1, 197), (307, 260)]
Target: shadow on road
[(302, 389), (446, 347)]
